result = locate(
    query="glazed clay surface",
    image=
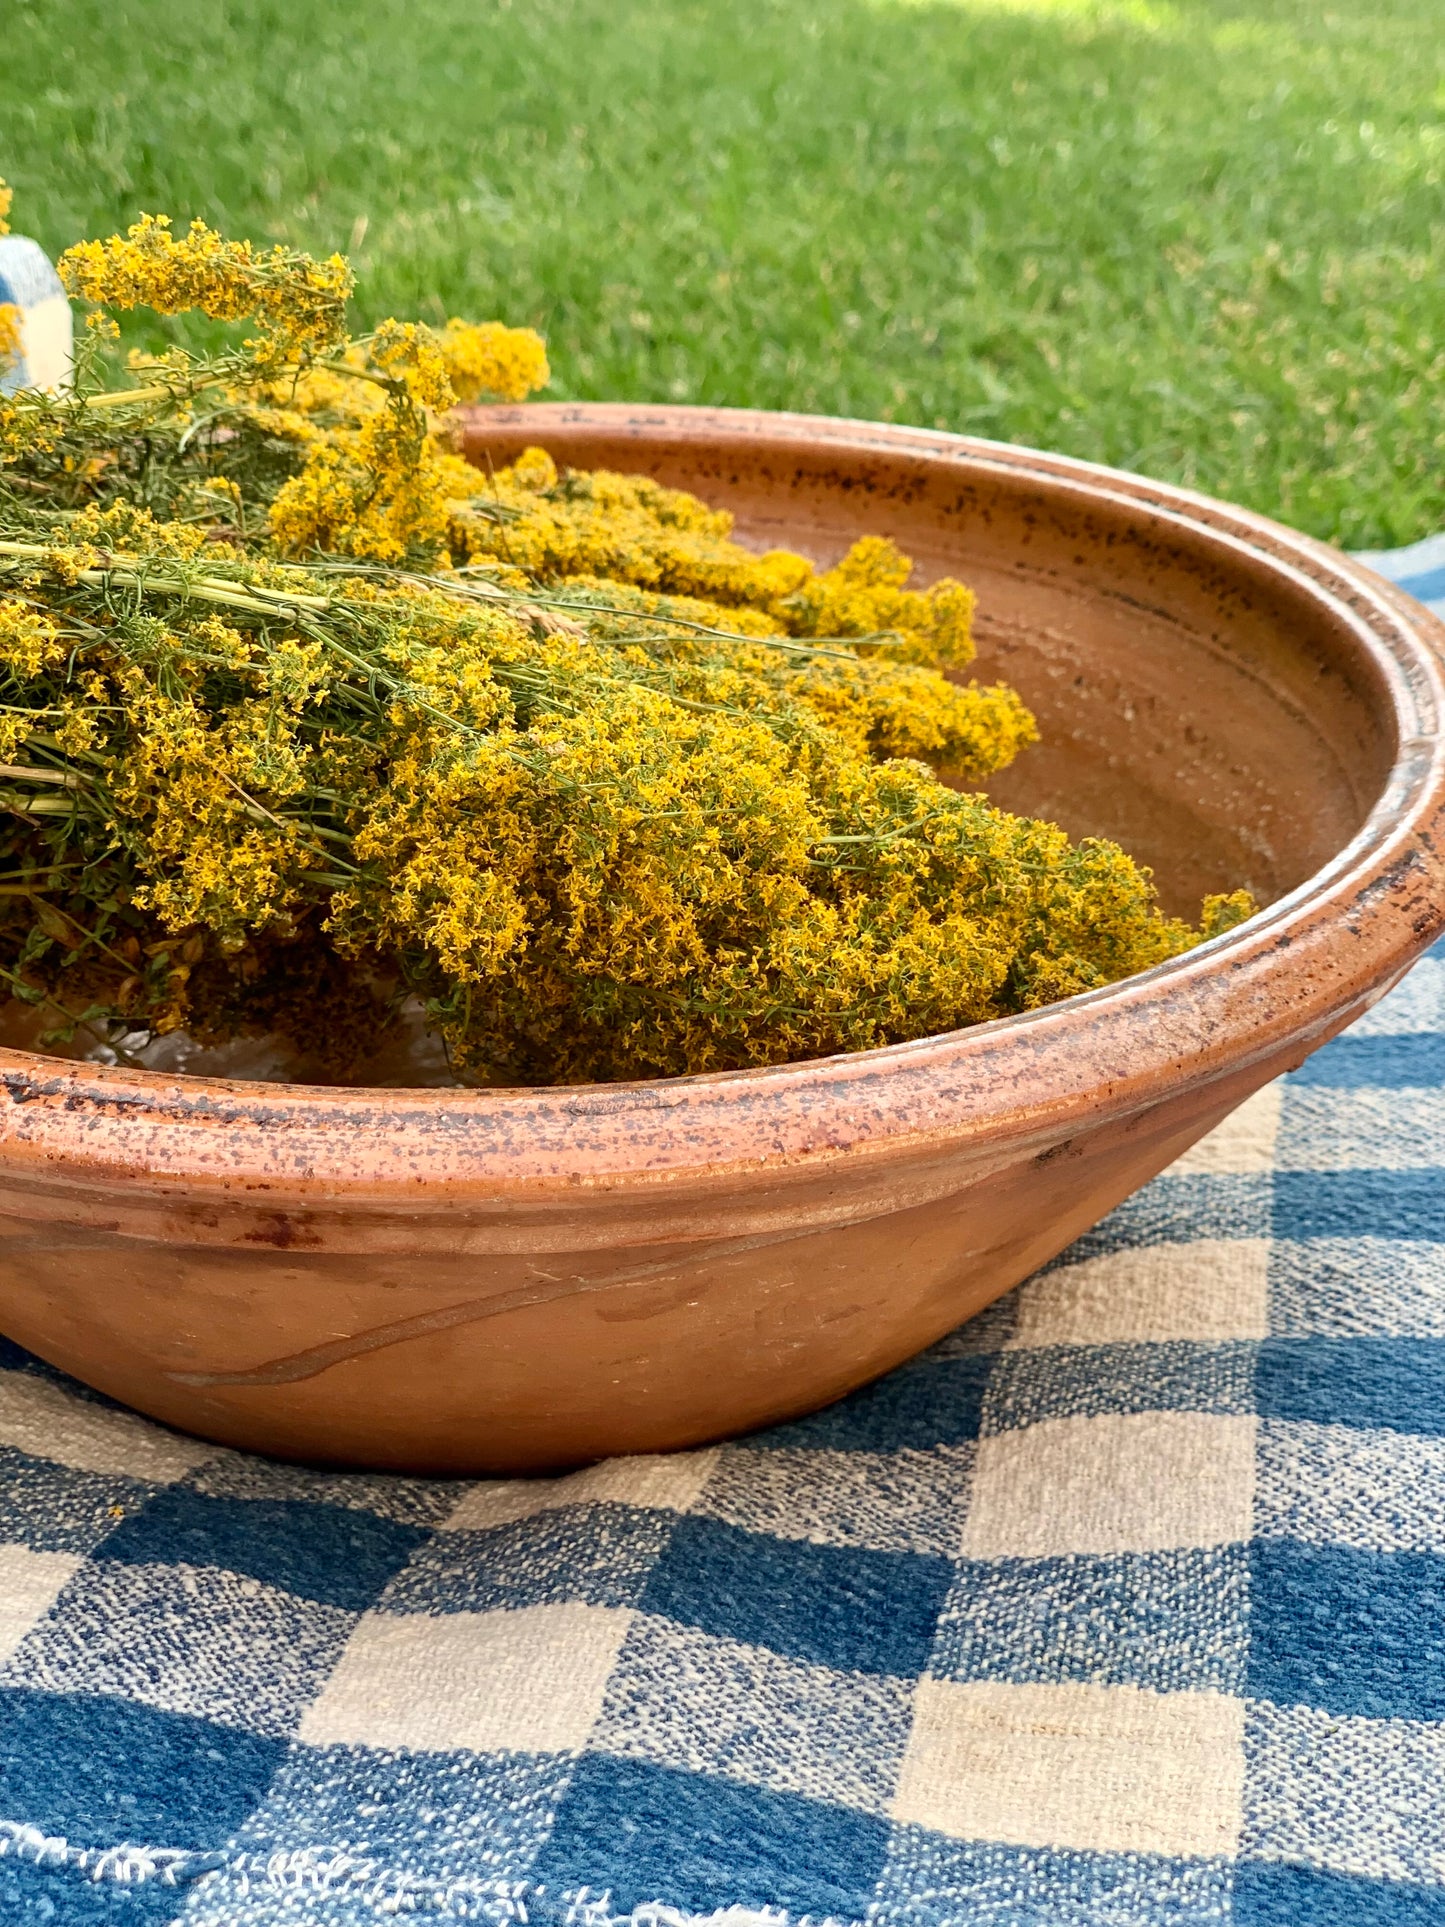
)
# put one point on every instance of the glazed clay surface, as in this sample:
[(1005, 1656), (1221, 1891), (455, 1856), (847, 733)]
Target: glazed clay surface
[(462, 1281)]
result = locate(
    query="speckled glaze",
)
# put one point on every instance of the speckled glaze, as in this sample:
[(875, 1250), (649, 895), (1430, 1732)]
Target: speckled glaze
[(455, 1281)]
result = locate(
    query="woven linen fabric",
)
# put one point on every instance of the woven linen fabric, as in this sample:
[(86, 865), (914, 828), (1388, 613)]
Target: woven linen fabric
[(1125, 1604), (1418, 570), (1122, 1607)]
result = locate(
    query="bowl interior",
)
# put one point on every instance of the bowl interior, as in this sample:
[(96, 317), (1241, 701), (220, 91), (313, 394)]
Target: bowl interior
[(1215, 716), (1217, 721)]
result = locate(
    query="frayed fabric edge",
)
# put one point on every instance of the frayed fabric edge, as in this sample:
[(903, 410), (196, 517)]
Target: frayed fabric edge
[(358, 1878)]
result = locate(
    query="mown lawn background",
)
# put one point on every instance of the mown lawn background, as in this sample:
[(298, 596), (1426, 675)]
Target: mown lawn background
[(1201, 238)]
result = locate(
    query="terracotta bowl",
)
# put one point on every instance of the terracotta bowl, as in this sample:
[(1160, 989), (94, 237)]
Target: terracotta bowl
[(459, 1281)]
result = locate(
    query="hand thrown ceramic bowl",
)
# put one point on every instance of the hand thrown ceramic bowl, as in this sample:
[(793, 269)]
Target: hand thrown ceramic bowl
[(457, 1281)]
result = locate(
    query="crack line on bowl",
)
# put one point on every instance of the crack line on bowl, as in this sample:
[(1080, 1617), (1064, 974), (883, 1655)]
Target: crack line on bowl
[(316, 1359)]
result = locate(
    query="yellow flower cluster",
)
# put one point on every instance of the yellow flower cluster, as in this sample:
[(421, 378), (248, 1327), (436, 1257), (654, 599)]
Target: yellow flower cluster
[(866, 595), (30, 642), (504, 364), (595, 858), (300, 303), (880, 705), (630, 529), (305, 717), (410, 353), (348, 499), (378, 481), (11, 341)]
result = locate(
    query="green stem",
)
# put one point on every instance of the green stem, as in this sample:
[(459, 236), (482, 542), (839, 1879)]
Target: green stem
[(35, 805), (159, 391)]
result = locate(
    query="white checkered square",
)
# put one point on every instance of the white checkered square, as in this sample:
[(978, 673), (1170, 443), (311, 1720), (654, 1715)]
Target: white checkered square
[(185, 1639), (1417, 1004), (1208, 1291), (686, 1699), (1136, 1482), (530, 1680), (43, 1420), (1355, 1796), (906, 1501), (669, 1484), (1243, 1145), (30, 1583), (1109, 1769)]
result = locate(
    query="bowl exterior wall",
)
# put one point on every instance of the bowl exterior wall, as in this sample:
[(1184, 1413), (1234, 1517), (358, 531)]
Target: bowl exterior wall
[(538, 1348)]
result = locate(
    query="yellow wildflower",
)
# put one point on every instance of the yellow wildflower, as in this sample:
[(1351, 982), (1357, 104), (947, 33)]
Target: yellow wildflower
[(490, 359), (30, 640), (298, 301), (11, 336), (410, 353), (355, 501), (129, 526), (865, 595), (633, 530)]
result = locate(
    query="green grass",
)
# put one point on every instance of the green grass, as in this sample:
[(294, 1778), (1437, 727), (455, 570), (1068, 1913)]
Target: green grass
[(1201, 238)]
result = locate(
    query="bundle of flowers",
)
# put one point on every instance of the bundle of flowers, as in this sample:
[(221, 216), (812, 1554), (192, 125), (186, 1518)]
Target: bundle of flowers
[(305, 723)]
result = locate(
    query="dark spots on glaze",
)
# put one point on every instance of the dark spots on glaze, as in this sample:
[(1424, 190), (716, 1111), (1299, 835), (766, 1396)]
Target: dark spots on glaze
[(282, 1231), (1065, 1148), (1409, 868)]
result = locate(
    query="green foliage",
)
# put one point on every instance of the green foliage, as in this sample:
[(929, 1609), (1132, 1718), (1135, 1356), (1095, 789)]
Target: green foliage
[(1202, 238)]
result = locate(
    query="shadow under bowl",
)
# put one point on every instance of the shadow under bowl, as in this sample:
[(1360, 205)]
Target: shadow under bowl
[(458, 1281)]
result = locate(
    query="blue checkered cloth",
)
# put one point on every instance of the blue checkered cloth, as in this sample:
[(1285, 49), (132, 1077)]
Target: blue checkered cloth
[(1418, 570), (1123, 1606)]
